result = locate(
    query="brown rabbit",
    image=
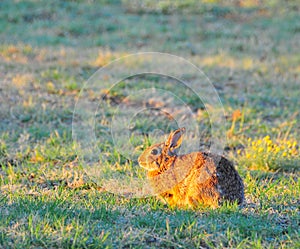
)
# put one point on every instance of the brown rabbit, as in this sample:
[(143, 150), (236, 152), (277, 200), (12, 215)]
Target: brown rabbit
[(197, 178)]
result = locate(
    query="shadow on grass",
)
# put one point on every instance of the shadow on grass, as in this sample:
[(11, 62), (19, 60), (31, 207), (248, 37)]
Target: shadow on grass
[(85, 219)]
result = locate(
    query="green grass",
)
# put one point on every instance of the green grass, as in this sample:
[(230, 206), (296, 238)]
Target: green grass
[(50, 48)]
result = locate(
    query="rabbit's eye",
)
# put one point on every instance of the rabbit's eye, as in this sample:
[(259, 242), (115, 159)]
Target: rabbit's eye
[(155, 151)]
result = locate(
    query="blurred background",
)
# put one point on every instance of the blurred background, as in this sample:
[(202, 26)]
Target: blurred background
[(248, 49)]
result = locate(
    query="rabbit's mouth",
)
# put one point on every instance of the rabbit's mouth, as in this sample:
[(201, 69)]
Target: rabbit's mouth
[(150, 166)]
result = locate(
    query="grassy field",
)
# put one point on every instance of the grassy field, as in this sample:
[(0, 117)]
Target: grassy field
[(48, 49)]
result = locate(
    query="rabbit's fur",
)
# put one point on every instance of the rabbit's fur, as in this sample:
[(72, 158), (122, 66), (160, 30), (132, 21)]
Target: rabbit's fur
[(197, 178)]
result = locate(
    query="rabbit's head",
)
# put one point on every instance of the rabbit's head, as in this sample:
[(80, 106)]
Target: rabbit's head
[(159, 157)]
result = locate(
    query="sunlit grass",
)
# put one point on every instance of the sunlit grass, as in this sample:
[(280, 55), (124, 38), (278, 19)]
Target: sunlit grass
[(268, 154), (104, 57)]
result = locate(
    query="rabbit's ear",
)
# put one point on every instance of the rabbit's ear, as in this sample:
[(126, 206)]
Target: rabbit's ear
[(175, 139)]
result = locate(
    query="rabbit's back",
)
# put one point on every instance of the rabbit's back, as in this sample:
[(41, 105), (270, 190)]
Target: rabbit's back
[(228, 181)]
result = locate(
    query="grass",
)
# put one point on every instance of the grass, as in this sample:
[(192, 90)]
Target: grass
[(267, 154), (50, 48)]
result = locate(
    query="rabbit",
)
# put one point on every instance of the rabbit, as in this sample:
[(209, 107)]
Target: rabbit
[(191, 180)]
